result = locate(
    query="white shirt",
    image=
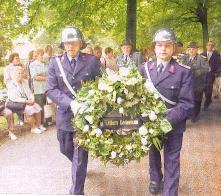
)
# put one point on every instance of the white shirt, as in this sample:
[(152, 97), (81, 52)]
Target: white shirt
[(209, 54), (165, 63)]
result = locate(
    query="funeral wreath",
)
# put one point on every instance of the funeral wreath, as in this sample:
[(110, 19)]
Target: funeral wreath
[(120, 116)]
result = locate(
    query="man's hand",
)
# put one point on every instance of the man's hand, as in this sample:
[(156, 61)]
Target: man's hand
[(75, 106)]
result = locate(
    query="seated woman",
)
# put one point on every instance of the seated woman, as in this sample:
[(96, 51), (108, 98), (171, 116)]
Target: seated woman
[(19, 91)]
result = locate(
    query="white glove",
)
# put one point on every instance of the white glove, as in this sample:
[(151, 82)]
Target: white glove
[(75, 106)]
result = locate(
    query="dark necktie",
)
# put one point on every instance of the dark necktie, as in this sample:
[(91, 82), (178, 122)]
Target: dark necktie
[(126, 59), (159, 69), (73, 63)]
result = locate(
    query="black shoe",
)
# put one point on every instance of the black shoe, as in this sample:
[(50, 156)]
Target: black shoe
[(156, 187)]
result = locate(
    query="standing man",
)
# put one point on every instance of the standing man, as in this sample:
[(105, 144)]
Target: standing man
[(174, 83), (215, 64), (65, 75), (128, 57), (199, 66)]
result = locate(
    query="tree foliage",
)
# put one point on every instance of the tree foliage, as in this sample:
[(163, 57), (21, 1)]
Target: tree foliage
[(196, 20)]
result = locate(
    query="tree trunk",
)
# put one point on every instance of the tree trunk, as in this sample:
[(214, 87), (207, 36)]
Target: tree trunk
[(131, 22), (202, 16)]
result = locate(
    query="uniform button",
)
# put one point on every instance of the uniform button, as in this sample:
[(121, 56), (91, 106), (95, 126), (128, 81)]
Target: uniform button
[(87, 74), (172, 87)]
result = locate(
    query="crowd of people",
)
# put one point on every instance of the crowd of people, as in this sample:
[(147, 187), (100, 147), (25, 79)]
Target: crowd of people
[(205, 66), (181, 80)]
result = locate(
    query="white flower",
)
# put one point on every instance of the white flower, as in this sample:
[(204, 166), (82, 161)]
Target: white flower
[(144, 148), (144, 140), (132, 81), (121, 110), (113, 78), (124, 71), (144, 114), (119, 100), (152, 116), (156, 95), (151, 131), (128, 147), (97, 132), (113, 155), (104, 87), (143, 130), (91, 92), (149, 87), (89, 119), (86, 128), (125, 91), (121, 155)]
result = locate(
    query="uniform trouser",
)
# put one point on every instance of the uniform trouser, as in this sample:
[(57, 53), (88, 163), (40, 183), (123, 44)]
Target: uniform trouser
[(40, 99), (198, 96), (209, 89), (172, 147), (79, 159)]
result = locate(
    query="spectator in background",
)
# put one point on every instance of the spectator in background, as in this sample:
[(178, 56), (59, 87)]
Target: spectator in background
[(48, 53), (128, 57), (20, 92), (38, 71), (98, 52), (108, 60), (14, 60), (215, 64), (89, 50)]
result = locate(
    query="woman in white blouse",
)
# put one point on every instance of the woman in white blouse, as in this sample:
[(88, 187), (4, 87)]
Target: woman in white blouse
[(19, 91)]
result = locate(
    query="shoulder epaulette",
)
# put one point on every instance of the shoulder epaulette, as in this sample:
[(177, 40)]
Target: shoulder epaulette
[(185, 66)]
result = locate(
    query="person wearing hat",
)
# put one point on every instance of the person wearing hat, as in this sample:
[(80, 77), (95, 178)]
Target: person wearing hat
[(65, 75), (173, 81), (128, 57), (199, 66), (180, 55)]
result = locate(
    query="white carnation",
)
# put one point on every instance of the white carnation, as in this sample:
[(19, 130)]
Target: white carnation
[(144, 140), (113, 77), (119, 100), (143, 130), (121, 155), (126, 91), (152, 116), (144, 114), (128, 147), (89, 119), (113, 155), (91, 92), (121, 110), (144, 148), (156, 95), (124, 71), (132, 81), (86, 128), (151, 131), (149, 87), (97, 132)]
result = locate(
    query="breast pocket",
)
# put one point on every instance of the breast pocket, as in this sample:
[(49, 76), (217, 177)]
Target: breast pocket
[(172, 91), (85, 77)]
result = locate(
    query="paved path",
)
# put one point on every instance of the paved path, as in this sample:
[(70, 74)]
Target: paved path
[(33, 164)]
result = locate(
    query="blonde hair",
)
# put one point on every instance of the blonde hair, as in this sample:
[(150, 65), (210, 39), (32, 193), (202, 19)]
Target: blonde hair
[(39, 52)]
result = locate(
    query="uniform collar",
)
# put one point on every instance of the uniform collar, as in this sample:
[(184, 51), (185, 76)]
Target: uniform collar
[(70, 57), (165, 63)]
